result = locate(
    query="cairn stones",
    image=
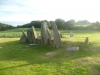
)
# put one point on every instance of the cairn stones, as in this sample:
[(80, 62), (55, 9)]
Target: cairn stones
[(45, 33), (71, 34), (86, 40), (57, 39), (23, 38)]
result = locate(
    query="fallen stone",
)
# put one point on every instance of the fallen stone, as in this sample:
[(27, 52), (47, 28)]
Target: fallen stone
[(50, 53), (33, 44), (72, 49)]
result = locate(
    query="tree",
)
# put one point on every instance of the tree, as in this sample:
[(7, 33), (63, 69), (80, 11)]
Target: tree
[(83, 22), (97, 25), (60, 23), (69, 24)]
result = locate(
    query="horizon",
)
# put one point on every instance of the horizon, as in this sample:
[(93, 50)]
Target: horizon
[(19, 12)]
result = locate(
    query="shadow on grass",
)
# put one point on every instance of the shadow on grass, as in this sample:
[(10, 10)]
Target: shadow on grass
[(16, 51)]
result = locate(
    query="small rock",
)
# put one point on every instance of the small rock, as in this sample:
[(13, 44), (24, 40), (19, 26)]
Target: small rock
[(72, 49)]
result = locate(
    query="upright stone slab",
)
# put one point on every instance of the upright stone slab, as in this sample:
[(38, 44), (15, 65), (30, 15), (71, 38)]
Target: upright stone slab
[(23, 37), (60, 34), (71, 34), (86, 40), (45, 33), (57, 39), (29, 35), (34, 35)]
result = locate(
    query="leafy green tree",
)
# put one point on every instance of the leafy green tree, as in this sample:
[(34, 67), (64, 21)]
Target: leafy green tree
[(60, 23), (97, 25), (83, 22), (69, 24)]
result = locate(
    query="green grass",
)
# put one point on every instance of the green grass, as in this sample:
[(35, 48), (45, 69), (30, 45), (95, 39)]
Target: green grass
[(15, 33), (15, 59)]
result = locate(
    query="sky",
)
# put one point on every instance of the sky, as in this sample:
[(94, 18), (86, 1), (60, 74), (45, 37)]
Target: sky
[(19, 12)]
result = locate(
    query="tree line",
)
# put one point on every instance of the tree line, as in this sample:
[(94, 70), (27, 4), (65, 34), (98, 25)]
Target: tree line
[(5, 27), (62, 24)]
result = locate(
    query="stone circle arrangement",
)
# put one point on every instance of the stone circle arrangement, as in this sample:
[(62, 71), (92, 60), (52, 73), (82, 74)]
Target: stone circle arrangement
[(45, 38)]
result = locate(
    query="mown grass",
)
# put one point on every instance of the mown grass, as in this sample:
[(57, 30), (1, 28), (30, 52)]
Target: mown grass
[(15, 59)]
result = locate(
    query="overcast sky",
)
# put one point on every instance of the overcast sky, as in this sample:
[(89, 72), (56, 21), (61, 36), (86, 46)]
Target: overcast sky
[(17, 12)]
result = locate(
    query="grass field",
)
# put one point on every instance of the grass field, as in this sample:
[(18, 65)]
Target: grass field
[(14, 33), (15, 59)]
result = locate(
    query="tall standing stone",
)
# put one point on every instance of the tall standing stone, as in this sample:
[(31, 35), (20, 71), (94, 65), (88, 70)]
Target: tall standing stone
[(34, 35), (45, 33), (57, 39), (23, 37), (29, 35)]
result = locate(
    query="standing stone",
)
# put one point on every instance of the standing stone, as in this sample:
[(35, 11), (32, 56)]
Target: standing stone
[(60, 34), (86, 40), (38, 35), (29, 35), (34, 35), (45, 33), (23, 38), (57, 39), (71, 34)]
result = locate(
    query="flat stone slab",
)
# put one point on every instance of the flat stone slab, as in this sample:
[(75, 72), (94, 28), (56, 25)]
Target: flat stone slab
[(33, 44), (72, 49), (50, 53)]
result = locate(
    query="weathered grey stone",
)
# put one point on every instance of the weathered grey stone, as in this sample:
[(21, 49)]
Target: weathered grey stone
[(33, 44), (57, 39), (23, 38), (29, 35), (60, 34), (45, 33), (72, 49), (34, 35), (38, 36), (38, 40), (71, 34), (50, 53), (86, 40)]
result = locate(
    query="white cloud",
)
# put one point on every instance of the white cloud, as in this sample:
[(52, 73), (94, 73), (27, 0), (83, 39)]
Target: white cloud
[(28, 10)]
